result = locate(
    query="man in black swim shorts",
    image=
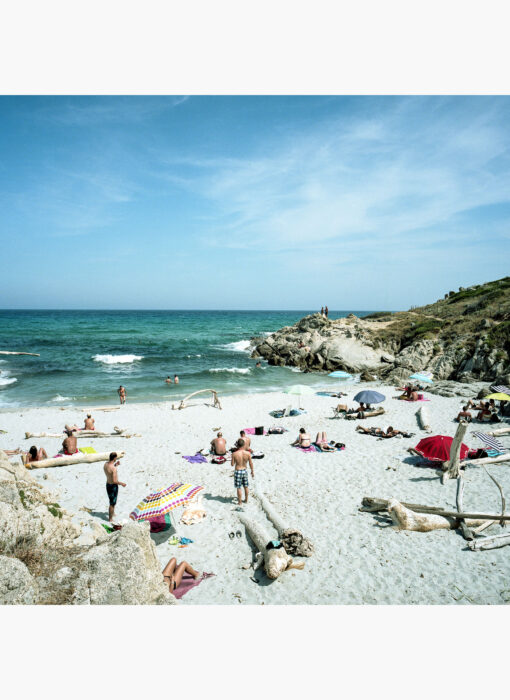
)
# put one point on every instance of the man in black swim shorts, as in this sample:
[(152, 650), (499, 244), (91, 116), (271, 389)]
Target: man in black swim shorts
[(112, 483)]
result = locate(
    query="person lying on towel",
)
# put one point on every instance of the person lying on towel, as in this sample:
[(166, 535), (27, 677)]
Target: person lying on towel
[(378, 432)]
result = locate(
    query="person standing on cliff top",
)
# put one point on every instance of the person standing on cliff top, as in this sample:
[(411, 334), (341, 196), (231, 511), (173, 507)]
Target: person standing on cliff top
[(326, 311), (112, 483), (322, 311)]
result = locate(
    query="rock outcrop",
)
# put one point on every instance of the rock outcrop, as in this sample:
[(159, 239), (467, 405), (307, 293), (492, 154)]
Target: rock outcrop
[(42, 561), (463, 337)]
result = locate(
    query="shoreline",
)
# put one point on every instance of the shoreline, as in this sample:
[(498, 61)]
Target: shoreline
[(358, 559)]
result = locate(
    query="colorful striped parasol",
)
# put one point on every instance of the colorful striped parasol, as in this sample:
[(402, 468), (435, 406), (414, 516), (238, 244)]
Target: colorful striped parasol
[(160, 502)]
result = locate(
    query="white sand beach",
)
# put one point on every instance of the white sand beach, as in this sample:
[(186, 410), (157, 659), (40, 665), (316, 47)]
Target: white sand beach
[(358, 558)]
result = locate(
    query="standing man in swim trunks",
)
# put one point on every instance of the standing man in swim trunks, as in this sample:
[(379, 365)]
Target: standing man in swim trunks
[(240, 460), (121, 391), (112, 483), (90, 423)]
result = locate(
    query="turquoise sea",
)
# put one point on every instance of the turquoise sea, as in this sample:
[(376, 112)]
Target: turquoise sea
[(86, 355)]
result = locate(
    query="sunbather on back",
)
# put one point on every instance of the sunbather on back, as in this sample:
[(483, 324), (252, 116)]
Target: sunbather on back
[(322, 441), (219, 445), (303, 439)]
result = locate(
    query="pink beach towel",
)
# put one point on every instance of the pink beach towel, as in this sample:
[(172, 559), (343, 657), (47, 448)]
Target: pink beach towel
[(187, 583), (307, 449), (251, 431)]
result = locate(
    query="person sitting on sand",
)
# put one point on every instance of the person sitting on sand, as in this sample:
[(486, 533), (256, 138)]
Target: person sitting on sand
[(173, 573), (464, 415), (246, 439), (70, 444), (484, 414), (219, 445), (303, 439), (360, 409), (472, 403), (34, 455), (90, 423)]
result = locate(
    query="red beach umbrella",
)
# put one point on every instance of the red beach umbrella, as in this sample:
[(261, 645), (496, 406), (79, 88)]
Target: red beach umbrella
[(437, 448)]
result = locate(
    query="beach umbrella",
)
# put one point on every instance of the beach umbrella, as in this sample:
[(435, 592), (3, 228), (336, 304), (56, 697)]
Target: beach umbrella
[(340, 374), (421, 377), (490, 441), (499, 397), (156, 506), (299, 390), (437, 448), (369, 396)]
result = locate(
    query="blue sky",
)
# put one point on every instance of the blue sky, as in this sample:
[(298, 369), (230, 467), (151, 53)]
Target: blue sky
[(251, 202)]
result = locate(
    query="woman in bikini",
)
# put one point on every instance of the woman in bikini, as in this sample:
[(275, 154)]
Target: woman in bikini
[(173, 573), (303, 439)]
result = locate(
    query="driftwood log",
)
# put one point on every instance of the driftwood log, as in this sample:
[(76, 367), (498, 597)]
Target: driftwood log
[(294, 542), (486, 460), (466, 532), (500, 431), (119, 432), (72, 459), (373, 505), (7, 352), (422, 415), (406, 519), (489, 542), (216, 401), (276, 561)]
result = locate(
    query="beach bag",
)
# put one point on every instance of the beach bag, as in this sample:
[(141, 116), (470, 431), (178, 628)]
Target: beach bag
[(259, 430), (218, 460)]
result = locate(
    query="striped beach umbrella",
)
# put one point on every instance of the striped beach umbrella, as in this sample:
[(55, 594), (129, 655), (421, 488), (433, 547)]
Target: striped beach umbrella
[(159, 503)]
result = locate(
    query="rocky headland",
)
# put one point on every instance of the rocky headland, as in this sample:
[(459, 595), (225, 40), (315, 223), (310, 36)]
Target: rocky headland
[(463, 337)]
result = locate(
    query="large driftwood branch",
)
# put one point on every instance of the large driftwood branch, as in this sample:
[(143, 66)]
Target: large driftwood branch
[(486, 460), (7, 352), (276, 561), (489, 542), (466, 532), (293, 541), (422, 416), (216, 401), (500, 431), (373, 505), (503, 501), (73, 459), (84, 434), (453, 464)]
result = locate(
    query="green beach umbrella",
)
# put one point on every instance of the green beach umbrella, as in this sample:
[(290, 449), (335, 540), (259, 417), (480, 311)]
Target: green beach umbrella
[(299, 390)]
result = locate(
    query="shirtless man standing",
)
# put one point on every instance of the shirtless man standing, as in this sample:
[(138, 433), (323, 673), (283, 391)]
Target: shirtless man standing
[(240, 461), (70, 444), (121, 391), (112, 483), (90, 423), (219, 445)]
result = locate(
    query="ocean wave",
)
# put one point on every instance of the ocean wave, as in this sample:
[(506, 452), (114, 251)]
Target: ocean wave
[(117, 359), (234, 370), (238, 346), (190, 356), (4, 381), (61, 398)]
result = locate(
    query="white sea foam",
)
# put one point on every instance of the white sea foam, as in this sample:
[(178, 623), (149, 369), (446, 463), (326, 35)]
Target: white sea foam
[(190, 356), (117, 359), (238, 346), (4, 381), (234, 370), (61, 398)]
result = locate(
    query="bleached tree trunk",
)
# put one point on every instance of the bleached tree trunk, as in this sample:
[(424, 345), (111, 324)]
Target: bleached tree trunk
[(422, 414), (489, 542), (293, 541), (500, 431), (83, 434), (452, 465), (7, 352), (72, 459), (276, 561), (406, 519), (486, 460)]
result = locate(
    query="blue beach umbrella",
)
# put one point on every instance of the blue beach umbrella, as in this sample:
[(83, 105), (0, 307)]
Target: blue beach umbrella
[(340, 374), (369, 396)]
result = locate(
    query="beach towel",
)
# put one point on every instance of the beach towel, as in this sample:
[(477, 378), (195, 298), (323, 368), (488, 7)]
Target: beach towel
[(88, 450), (187, 583), (312, 448), (336, 449), (198, 458), (251, 431), (276, 430), (490, 441)]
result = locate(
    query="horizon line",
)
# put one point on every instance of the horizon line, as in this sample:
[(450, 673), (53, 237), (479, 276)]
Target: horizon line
[(236, 310)]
